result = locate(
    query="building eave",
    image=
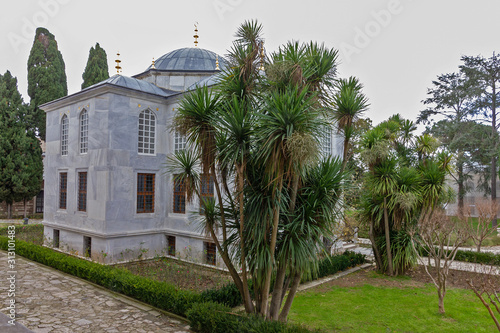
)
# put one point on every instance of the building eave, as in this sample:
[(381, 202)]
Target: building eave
[(102, 89)]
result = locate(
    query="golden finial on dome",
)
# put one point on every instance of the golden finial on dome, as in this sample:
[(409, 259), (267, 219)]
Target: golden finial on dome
[(196, 34), (118, 61), (262, 57), (153, 63), (217, 63)]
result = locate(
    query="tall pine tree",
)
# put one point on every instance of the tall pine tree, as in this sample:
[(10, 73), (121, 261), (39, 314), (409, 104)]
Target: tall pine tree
[(21, 168), (46, 76), (97, 67)]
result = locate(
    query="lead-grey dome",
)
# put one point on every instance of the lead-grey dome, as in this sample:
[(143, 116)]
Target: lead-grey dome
[(189, 59)]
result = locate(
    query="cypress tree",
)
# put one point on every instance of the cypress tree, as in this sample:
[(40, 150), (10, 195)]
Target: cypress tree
[(97, 67), (21, 168), (46, 76)]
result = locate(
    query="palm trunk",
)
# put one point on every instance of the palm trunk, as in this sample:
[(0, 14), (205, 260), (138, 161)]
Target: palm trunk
[(228, 263), (9, 210), (221, 206), (278, 291), (376, 253), (387, 239), (246, 293), (344, 155), (242, 287), (274, 235), (291, 295)]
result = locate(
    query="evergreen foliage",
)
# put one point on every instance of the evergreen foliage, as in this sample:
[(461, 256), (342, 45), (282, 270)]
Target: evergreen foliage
[(46, 76), (263, 126), (97, 67), (21, 168), (405, 178)]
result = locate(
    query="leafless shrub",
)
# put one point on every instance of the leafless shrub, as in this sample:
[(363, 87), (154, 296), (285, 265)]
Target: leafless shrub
[(480, 230), (439, 237)]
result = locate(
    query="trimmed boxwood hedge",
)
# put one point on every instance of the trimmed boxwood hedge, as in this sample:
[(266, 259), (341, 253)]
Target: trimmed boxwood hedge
[(210, 317), (333, 264), (486, 258)]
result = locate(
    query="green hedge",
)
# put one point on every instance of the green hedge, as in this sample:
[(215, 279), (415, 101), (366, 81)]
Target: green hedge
[(228, 295), (333, 264), (212, 317), (487, 258)]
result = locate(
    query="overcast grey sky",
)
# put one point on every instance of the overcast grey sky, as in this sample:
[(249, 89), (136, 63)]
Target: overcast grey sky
[(395, 47)]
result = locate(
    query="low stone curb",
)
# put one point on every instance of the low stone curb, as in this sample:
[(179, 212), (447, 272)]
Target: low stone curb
[(312, 284)]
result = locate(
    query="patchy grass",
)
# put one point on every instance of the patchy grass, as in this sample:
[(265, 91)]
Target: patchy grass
[(370, 302), (32, 233), (181, 274)]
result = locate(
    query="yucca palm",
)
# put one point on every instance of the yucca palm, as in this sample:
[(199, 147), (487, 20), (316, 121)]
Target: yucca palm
[(349, 103), (261, 131), (198, 118), (383, 182), (287, 142)]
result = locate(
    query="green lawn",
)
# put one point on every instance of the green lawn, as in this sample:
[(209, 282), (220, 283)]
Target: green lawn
[(369, 308)]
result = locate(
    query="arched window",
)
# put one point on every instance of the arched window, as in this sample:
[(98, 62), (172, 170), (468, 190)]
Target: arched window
[(147, 126), (326, 141), (179, 142), (64, 135), (84, 132)]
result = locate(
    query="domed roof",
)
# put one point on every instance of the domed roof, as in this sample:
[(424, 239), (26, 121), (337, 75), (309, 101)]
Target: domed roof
[(189, 59)]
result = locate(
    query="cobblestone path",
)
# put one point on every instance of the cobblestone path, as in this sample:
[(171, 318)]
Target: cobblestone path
[(50, 301)]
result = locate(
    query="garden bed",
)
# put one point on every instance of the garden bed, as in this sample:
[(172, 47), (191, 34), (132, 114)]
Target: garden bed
[(181, 274), (32, 233)]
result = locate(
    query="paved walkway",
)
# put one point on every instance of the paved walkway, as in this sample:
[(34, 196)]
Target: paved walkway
[(458, 265), (50, 301)]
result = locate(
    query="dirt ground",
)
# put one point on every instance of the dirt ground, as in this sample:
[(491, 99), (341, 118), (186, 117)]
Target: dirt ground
[(416, 277)]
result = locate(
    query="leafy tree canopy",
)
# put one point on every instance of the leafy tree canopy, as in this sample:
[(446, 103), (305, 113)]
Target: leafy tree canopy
[(21, 168), (97, 67), (46, 76)]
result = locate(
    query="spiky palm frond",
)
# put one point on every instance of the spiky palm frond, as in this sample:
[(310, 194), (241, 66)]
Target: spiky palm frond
[(404, 255), (237, 122), (426, 145), (433, 186), (287, 114), (319, 207), (349, 102), (184, 165), (321, 66), (249, 32), (383, 181), (195, 119)]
